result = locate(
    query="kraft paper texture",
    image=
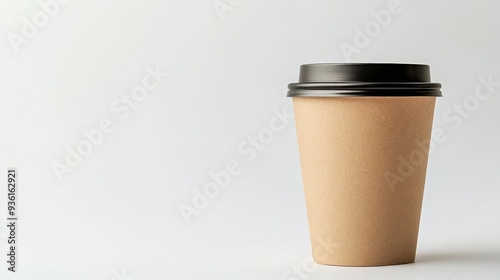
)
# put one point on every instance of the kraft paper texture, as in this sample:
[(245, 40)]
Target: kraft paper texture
[(364, 163)]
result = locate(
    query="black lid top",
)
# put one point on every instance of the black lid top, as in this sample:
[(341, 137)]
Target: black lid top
[(364, 79)]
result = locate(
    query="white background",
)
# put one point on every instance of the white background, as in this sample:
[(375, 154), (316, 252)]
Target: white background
[(116, 215)]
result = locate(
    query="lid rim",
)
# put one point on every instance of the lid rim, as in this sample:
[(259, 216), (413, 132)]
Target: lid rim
[(364, 85), (360, 93)]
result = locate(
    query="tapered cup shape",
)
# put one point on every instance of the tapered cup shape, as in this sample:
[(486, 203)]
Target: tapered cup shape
[(364, 135), (363, 164)]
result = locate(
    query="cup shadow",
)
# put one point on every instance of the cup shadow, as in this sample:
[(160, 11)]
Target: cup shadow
[(458, 257)]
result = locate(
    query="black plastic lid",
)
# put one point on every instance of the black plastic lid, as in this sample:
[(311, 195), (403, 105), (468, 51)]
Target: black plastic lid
[(364, 79)]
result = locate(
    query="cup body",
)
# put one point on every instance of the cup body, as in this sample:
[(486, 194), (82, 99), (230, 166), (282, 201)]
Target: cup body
[(364, 162)]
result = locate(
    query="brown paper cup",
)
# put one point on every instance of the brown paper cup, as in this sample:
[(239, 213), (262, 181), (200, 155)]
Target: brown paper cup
[(364, 161), (359, 215)]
